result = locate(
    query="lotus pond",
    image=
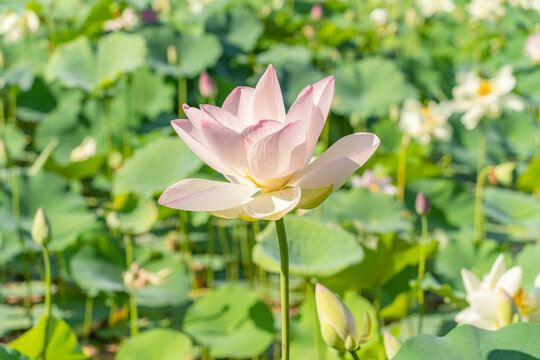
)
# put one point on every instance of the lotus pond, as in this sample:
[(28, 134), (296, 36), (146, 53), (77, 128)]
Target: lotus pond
[(285, 179)]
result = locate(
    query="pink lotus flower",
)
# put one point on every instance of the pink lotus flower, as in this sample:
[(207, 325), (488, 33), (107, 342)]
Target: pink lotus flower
[(265, 153)]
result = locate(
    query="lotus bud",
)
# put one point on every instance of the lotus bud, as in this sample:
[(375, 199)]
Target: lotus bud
[(507, 311), (502, 174), (317, 12), (379, 16), (338, 325), (207, 86), (532, 48), (41, 230), (367, 329), (421, 204), (391, 345)]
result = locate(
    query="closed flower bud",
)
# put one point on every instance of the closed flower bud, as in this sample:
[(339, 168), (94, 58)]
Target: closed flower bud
[(367, 329), (207, 86), (317, 12), (507, 311), (391, 345), (338, 325), (421, 204), (502, 174), (532, 48), (41, 230)]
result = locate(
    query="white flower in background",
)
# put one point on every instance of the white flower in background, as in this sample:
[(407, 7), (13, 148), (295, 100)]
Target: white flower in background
[(85, 151), (487, 298), (485, 9), (161, 6), (196, 6), (126, 21), (532, 48), (426, 122), (379, 16), (374, 184), (477, 97), (13, 26), (429, 8)]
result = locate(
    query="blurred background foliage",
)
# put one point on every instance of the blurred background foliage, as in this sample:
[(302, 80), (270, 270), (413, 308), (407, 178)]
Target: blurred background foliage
[(86, 100)]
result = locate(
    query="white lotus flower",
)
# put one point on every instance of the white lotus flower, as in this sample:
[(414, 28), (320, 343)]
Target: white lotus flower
[(14, 26), (429, 8), (379, 16), (484, 297), (126, 21), (426, 122), (532, 48), (486, 9), (369, 181), (478, 97)]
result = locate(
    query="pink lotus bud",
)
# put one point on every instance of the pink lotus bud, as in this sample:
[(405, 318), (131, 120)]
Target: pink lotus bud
[(421, 204), (317, 12), (207, 86), (532, 47), (149, 16)]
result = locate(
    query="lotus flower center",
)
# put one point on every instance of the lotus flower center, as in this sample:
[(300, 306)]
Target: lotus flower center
[(524, 301), (485, 88)]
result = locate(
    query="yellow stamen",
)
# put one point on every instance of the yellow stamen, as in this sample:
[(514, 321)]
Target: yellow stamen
[(485, 88)]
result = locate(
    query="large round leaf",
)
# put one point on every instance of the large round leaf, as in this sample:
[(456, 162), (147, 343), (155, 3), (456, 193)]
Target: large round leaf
[(155, 166), (194, 53), (156, 344), (373, 212), (77, 65), (67, 211), (515, 341), (62, 341), (369, 87), (315, 249), (231, 322)]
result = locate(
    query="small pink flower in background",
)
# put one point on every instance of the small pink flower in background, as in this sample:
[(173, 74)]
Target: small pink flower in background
[(207, 86), (317, 12), (532, 48), (265, 153), (374, 184)]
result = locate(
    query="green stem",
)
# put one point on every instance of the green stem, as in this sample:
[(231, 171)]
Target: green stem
[(402, 165), (355, 355), (182, 96), (2, 116), (284, 282), (186, 249), (480, 179), (319, 347), (48, 303), (244, 244), (421, 271), (87, 325), (210, 252), (133, 311)]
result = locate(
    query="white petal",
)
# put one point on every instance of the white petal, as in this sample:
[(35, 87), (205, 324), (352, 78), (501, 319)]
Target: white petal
[(338, 162), (484, 303), (267, 98), (205, 195), (273, 205), (511, 280), (497, 270), (470, 281)]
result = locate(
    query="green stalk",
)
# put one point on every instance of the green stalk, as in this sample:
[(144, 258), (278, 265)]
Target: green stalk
[(319, 347), (210, 252), (480, 179), (87, 325), (421, 271), (284, 282), (244, 243), (2, 116), (182, 95), (355, 355), (402, 165), (186, 250), (133, 311), (48, 303)]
